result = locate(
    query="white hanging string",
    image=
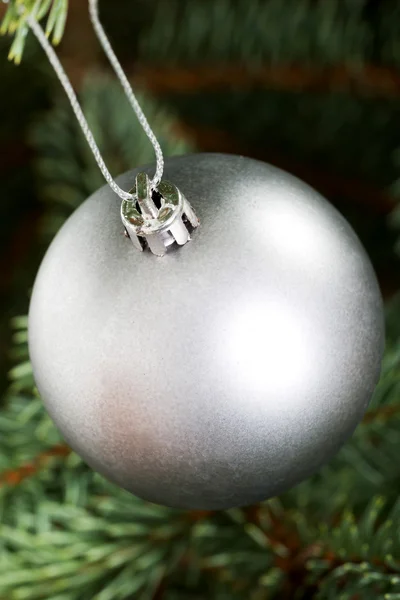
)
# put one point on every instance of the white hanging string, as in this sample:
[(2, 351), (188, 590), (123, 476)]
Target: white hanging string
[(65, 82), (116, 65)]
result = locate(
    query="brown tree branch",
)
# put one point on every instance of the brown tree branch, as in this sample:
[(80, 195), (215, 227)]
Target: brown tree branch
[(15, 476), (369, 80), (383, 413), (283, 532)]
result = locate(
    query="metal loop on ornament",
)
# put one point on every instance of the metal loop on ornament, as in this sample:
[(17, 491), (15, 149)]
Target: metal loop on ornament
[(158, 217)]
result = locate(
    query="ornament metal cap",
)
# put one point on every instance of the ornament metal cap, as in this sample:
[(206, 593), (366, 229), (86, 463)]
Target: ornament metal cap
[(159, 217)]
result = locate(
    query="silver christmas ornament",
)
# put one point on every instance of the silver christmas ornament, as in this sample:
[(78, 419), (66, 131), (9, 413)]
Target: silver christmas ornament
[(226, 371)]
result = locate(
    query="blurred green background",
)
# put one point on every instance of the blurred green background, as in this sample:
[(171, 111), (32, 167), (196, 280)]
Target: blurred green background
[(312, 86)]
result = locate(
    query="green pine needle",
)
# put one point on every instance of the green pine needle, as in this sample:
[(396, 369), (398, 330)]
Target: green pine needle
[(14, 22)]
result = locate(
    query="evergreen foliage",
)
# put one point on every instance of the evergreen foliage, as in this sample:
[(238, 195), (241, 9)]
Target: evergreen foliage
[(303, 31), (15, 23), (272, 31), (65, 532)]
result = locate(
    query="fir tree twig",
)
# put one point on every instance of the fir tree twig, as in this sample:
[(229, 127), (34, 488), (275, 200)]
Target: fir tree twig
[(15, 21)]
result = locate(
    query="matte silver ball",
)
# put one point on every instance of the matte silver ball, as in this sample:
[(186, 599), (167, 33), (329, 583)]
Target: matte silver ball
[(230, 369)]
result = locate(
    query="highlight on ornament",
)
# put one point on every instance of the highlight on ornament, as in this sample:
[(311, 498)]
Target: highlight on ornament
[(230, 369)]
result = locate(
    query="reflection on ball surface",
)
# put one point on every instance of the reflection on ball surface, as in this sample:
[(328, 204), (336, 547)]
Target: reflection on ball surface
[(226, 371)]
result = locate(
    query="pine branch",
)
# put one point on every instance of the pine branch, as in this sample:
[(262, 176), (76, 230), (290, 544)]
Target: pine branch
[(15, 21), (363, 553), (327, 32), (340, 555), (369, 80)]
